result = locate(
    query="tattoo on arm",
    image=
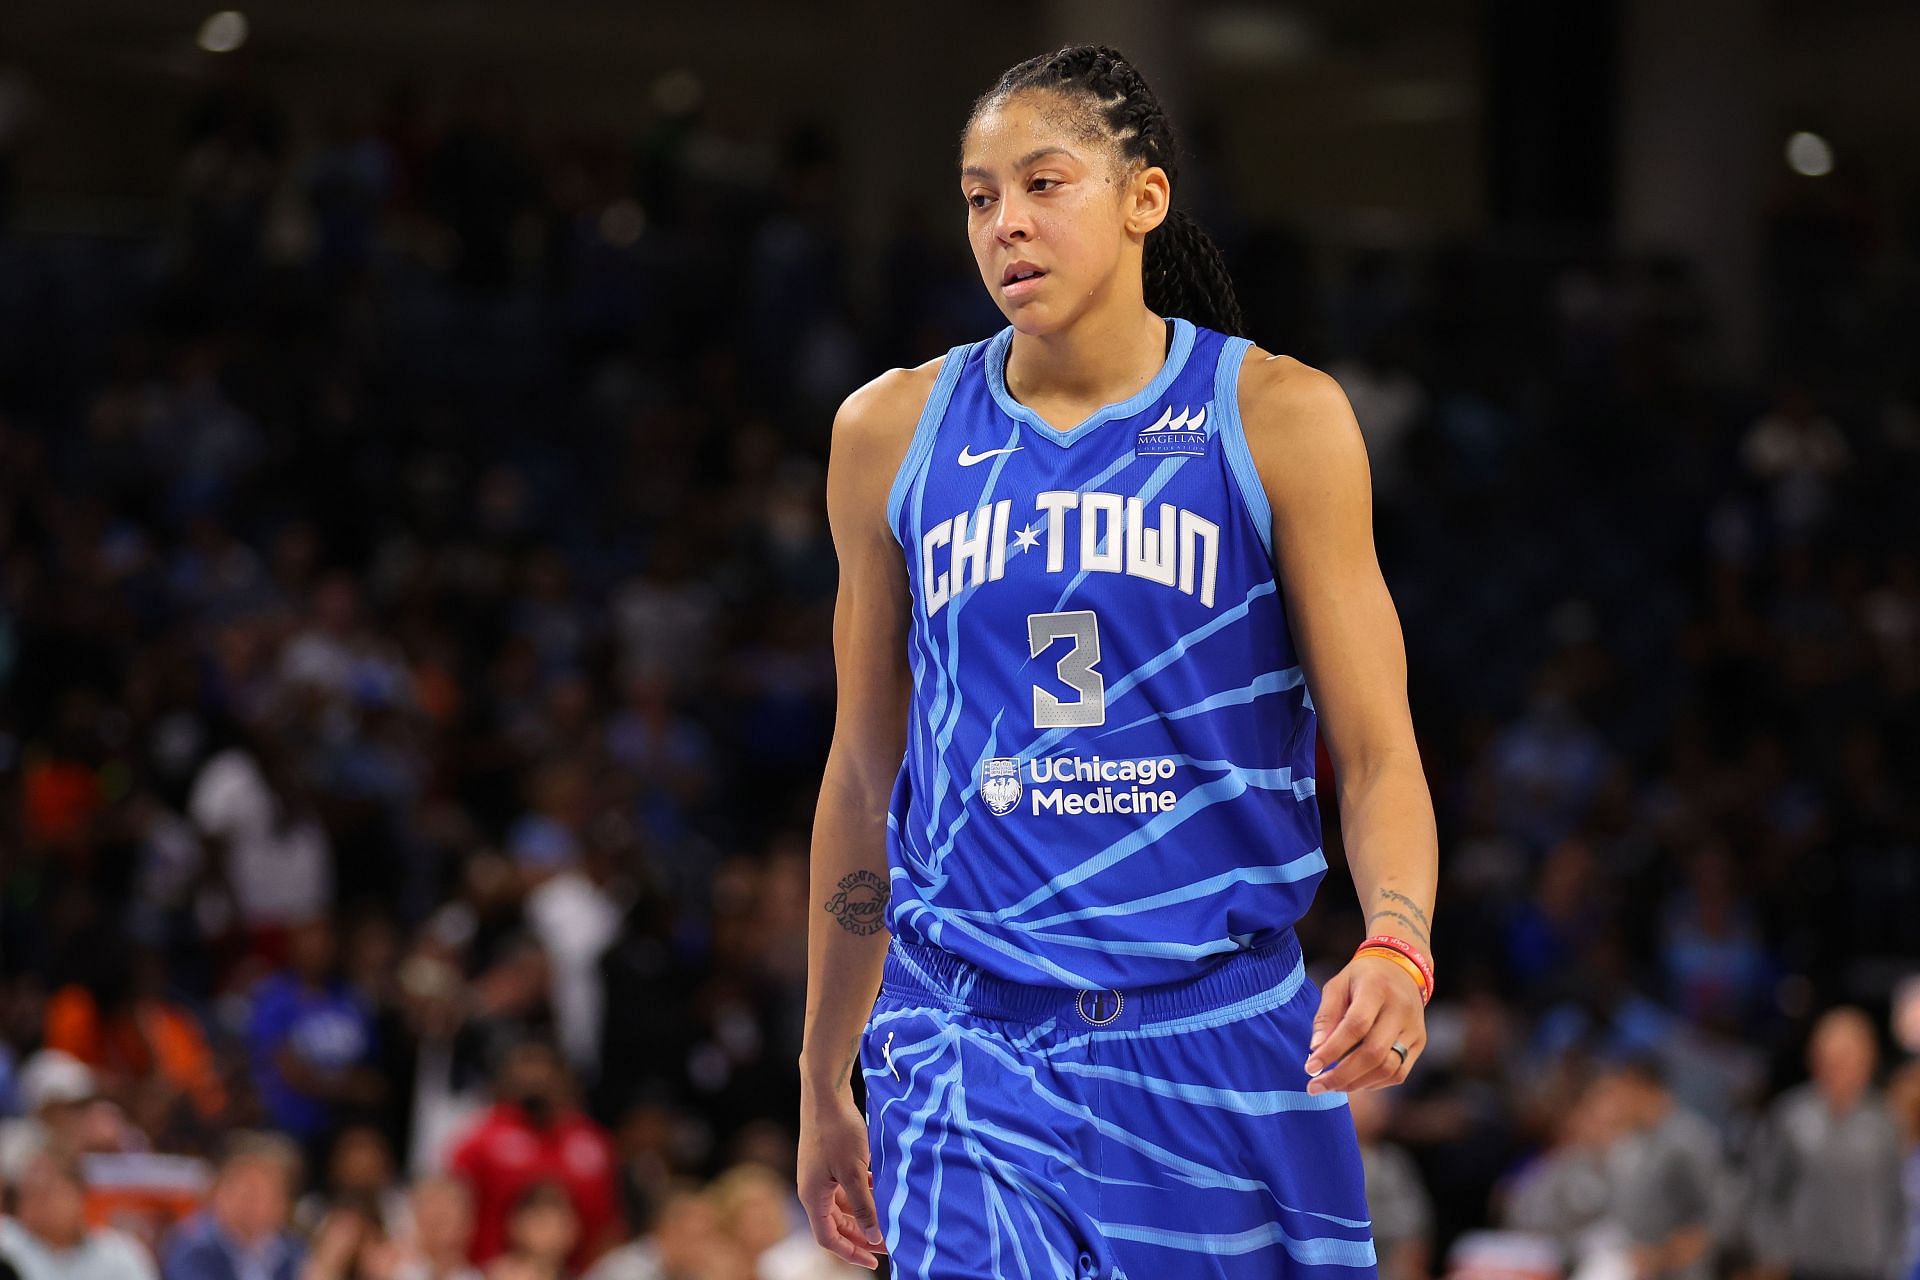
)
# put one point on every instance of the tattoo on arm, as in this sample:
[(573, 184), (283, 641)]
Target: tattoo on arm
[(853, 1056), (1393, 895), (1417, 931), (861, 904)]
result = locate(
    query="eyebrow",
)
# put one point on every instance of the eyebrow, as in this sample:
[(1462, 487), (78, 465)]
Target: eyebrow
[(975, 171)]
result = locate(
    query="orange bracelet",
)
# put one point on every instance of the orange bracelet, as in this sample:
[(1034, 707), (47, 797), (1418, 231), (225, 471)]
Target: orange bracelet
[(1387, 953), (1412, 953)]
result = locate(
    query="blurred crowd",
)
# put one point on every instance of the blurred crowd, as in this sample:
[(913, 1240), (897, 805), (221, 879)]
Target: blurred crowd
[(415, 677)]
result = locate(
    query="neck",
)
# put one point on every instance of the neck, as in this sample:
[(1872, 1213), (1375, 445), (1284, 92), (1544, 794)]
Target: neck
[(1100, 360), (56, 1239)]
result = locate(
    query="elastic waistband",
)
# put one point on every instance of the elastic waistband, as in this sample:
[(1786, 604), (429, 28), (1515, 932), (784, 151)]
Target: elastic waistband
[(918, 971)]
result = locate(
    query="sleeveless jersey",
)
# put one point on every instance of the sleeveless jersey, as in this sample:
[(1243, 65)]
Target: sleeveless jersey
[(1108, 778)]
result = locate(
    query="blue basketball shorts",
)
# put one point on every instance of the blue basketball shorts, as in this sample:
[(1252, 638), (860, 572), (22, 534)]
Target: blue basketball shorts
[(1163, 1133)]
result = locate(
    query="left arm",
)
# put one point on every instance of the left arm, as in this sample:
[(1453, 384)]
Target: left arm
[(1312, 461)]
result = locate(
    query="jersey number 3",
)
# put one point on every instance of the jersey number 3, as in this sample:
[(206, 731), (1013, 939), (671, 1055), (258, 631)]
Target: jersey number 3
[(1075, 669)]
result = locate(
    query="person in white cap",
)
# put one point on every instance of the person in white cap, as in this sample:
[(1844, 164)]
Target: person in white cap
[(55, 1088), (48, 1237)]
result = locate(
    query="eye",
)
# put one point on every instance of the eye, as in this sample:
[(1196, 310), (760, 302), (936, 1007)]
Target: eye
[(1036, 181), (973, 201)]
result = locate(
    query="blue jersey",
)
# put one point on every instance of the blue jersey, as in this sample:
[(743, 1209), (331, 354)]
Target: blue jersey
[(1108, 779)]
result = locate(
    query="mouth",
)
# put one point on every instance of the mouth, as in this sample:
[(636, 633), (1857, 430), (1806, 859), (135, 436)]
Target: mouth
[(1019, 271)]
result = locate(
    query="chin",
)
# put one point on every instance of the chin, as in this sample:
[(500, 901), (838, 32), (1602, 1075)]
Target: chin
[(1035, 319)]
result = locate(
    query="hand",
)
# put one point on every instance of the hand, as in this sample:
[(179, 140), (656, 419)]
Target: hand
[(1364, 1009), (836, 1185), (335, 1242)]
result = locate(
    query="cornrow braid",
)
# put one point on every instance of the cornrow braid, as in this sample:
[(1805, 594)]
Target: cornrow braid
[(1182, 272)]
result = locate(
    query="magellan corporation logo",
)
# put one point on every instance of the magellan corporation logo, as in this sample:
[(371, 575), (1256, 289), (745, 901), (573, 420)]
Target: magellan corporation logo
[(1091, 785), (1000, 785), (1171, 435)]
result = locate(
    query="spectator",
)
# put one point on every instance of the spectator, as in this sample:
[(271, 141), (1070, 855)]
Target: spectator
[(1666, 1175), (441, 1209), (531, 1134), (266, 848), (1828, 1203), (55, 1088), (1397, 1199), (148, 1045), (685, 1243), (311, 1042), (1563, 1193), (359, 1176), (1904, 1095), (350, 1244), (759, 1214), (543, 1232), (242, 1233), (48, 1237)]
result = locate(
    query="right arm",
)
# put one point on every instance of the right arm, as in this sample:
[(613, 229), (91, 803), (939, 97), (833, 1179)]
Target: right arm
[(846, 938)]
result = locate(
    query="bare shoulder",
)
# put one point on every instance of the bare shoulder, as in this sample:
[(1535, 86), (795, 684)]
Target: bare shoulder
[(871, 434), (878, 418), (1298, 421)]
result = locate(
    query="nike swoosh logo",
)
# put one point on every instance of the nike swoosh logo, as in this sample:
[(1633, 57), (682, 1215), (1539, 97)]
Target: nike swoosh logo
[(967, 458)]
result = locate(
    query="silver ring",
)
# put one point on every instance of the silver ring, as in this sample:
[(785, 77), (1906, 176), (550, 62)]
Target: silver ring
[(1400, 1049)]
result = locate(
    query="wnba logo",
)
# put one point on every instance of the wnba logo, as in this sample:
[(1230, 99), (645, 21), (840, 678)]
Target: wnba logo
[(1000, 784)]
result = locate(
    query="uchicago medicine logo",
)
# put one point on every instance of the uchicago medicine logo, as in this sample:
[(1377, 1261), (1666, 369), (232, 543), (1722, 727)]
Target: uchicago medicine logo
[(1000, 785), (1079, 785)]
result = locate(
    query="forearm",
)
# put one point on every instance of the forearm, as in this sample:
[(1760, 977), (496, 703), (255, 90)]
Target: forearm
[(1392, 848), (846, 932)]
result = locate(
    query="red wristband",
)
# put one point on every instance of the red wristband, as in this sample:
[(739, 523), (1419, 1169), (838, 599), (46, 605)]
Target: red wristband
[(1399, 946)]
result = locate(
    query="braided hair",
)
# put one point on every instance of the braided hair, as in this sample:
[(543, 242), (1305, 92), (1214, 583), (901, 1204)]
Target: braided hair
[(1182, 273)]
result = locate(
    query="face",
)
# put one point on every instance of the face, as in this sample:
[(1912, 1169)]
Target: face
[(51, 1204), (533, 1072), (1842, 1054), (545, 1228), (1039, 194), (252, 1196), (361, 1162), (443, 1217), (686, 1230)]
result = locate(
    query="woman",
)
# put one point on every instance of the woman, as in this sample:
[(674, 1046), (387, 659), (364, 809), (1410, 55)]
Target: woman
[(1072, 769)]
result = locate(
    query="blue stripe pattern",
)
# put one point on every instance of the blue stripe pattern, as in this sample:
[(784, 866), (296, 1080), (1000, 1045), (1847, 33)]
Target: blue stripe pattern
[(1185, 1147)]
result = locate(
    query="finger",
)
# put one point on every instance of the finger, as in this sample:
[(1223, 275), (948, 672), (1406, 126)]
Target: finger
[(1401, 1070), (1369, 1058), (836, 1233), (833, 1228), (858, 1201), (1391, 1070), (1361, 1012), (852, 1239), (1384, 1075), (1333, 1003)]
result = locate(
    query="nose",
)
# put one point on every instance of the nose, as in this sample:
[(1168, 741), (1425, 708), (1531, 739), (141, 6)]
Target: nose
[(1013, 221)]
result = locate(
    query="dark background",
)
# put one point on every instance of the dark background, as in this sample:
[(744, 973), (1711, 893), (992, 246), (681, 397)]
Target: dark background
[(428, 403)]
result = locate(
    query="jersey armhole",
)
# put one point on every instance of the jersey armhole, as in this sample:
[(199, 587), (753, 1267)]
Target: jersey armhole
[(921, 447), (1233, 439)]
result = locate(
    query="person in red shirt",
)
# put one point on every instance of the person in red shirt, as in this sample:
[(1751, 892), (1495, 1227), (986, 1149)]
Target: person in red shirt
[(533, 1133)]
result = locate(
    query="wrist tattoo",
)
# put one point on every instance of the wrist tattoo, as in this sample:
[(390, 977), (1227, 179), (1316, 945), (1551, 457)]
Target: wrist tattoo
[(1415, 929), (1394, 895), (861, 904)]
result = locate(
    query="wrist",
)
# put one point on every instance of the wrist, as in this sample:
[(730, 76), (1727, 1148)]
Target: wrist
[(1398, 961), (823, 1079), (1386, 945)]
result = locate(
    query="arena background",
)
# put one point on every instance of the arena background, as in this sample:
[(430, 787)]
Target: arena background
[(414, 594)]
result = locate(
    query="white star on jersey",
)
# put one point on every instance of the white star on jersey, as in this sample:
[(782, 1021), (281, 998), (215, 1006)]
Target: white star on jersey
[(1027, 537)]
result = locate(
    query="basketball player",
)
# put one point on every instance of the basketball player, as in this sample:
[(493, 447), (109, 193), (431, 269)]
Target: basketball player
[(1099, 574)]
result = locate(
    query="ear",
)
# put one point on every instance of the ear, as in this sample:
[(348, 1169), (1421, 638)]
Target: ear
[(1147, 200)]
